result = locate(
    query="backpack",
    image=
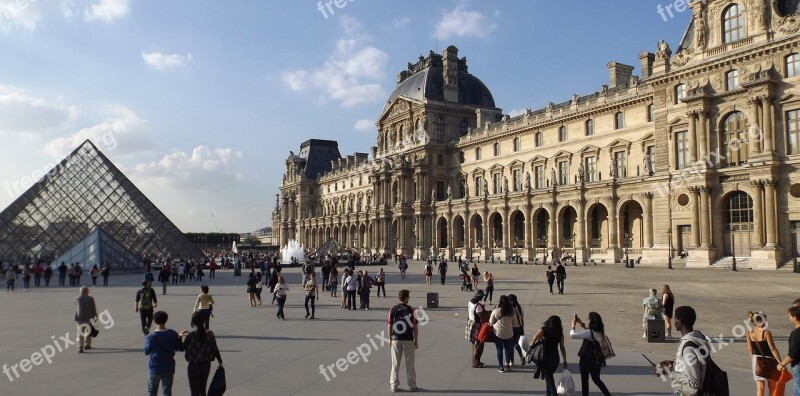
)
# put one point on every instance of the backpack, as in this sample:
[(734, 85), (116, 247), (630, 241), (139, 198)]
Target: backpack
[(146, 299), (402, 313), (715, 382), (654, 307)]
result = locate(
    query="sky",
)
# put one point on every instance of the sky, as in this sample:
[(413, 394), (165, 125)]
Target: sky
[(200, 102)]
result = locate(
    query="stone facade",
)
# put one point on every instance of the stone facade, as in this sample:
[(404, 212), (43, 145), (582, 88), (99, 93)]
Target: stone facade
[(699, 154)]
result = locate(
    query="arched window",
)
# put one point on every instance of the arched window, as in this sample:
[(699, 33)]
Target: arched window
[(680, 93), (733, 24), (619, 120), (463, 127), (589, 127), (496, 149), (517, 145), (651, 115), (401, 136), (562, 134), (793, 65), (477, 153), (734, 139), (538, 139), (732, 80), (438, 128)]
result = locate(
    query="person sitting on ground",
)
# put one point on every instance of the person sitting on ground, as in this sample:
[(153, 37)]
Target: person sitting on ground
[(653, 308)]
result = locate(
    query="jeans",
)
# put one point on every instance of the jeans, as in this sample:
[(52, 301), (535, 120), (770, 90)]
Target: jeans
[(146, 316), (382, 286), (281, 302), (351, 299), (198, 378), (166, 384), (311, 299), (94, 281), (365, 298), (164, 288), (504, 346), (211, 273), (206, 317), (444, 276), (489, 293), (796, 379), (560, 284), (586, 371), (549, 381), (477, 352), (105, 280), (61, 279), (402, 349)]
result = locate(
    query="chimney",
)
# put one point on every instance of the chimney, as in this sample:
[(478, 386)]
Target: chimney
[(646, 59), (619, 74), (450, 73)]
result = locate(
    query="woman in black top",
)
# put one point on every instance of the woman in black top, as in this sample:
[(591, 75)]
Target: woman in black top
[(668, 302), (551, 277), (553, 333), (251, 288), (760, 343), (201, 348)]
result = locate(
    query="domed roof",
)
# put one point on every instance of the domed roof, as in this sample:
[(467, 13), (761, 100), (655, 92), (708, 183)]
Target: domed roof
[(426, 82)]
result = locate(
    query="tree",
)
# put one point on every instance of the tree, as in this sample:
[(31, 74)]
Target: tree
[(252, 241)]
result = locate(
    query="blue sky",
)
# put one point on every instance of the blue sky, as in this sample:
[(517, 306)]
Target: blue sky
[(199, 103)]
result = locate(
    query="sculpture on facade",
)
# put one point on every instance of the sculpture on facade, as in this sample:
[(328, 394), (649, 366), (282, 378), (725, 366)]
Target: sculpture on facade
[(485, 188), (466, 188), (553, 180), (700, 30), (663, 51), (580, 173), (449, 192), (433, 195), (648, 166), (505, 184), (527, 180), (612, 168)]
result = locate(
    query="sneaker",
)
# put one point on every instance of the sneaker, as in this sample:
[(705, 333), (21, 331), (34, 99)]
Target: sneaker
[(414, 389), (80, 350), (500, 370), (393, 390), (87, 347)]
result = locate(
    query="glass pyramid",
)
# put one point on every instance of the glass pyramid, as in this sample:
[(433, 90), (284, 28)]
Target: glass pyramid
[(84, 192), (98, 248)]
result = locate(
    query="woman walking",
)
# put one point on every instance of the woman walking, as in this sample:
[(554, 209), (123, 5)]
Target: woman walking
[(259, 286), (104, 272), (280, 293), (502, 321), (11, 278), (201, 349), (552, 333), (519, 326), (380, 282), (760, 344), (668, 302), (593, 331), (251, 288), (273, 281), (204, 305), (26, 277), (334, 279), (476, 273), (312, 293), (428, 272), (551, 277), (94, 273), (345, 277), (488, 279)]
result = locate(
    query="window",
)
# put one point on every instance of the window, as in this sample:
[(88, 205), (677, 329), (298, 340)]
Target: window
[(478, 186), (563, 173), (619, 120), (441, 190), (496, 149), (681, 149), (733, 24), (463, 128), (562, 134), (732, 80), (517, 179), (439, 159), (538, 139), (400, 136), (538, 173), (477, 153), (734, 134), (589, 127), (793, 130), (462, 189), (438, 128), (651, 155), (793, 65), (680, 93), (460, 157), (498, 188), (311, 191), (590, 163), (621, 163), (651, 115), (517, 144)]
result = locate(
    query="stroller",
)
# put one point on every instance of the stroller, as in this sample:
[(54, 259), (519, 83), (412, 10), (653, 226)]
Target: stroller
[(466, 282)]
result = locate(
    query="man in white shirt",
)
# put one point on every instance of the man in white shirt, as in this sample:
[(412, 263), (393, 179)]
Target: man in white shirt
[(652, 308)]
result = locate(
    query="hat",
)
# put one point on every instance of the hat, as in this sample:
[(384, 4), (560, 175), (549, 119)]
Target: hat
[(478, 294)]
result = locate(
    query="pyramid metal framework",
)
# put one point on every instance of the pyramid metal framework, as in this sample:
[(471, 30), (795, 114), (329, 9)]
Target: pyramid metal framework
[(85, 191)]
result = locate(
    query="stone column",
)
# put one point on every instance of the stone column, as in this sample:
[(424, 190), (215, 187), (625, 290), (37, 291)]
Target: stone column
[(488, 240), (529, 231), (648, 219), (506, 229), (692, 136), (702, 137), (693, 195), (553, 229), (705, 220), (580, 239), (758, 214), (771, 214), (613, 232), (755, 145), (769, 125)]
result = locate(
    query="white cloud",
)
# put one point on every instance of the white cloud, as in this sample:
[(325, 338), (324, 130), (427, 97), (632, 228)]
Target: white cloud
[(24, 114), (517, 112), (461, 22), (402, 21), (163, 61), (19, 14), (350, 75), (122, 132), (203, 169), (106, 10), (363, 125)]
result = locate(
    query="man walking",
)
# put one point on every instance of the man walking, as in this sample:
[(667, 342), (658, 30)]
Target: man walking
[(146, 300), (693, 355), (404, 331), (161, 346), (561, 274), (652, 308), (212, 269), (364, 289), (62, 274), (163, 277), (85, 312), (443, 269)]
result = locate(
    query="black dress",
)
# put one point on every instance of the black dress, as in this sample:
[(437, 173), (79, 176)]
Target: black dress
[(669, 305)]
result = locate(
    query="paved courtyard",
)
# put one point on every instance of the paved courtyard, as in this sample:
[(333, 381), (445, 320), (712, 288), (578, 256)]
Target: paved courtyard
[(263, 355)]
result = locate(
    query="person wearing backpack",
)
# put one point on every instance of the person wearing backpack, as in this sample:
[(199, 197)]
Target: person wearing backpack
[(653, 308), (552, 338), (146, 300), (689, 378), (591, 355), (403, 341)]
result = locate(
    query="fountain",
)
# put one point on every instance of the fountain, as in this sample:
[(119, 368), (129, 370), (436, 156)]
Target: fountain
[(293, 249)]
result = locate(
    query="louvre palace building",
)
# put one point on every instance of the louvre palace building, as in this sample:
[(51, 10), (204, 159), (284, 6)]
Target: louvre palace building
[(696, 154)]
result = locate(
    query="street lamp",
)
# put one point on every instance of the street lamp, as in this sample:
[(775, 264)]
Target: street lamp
[(794, 252), (733, 248), (669, 253), (628, 239)]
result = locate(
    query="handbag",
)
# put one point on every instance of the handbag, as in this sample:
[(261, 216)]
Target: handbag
[(608, 351), (218, 384), (766, 367), (95, 331), (486, 333)]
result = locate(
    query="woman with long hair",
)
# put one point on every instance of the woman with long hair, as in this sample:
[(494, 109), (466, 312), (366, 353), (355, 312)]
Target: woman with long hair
[(251, 288), (550, 275), (593, 331), (428, 272), (519, 326), (312, 294), (668, 302), (502, 321), (204, 305), (488, 279), (280, 293), (553, 333), (760, 343), (475, 274), (201, 349)]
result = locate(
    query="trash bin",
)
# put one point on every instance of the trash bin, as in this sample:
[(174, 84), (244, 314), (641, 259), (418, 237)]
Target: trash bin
[(433, 300), (630, 263), (655, 330)]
